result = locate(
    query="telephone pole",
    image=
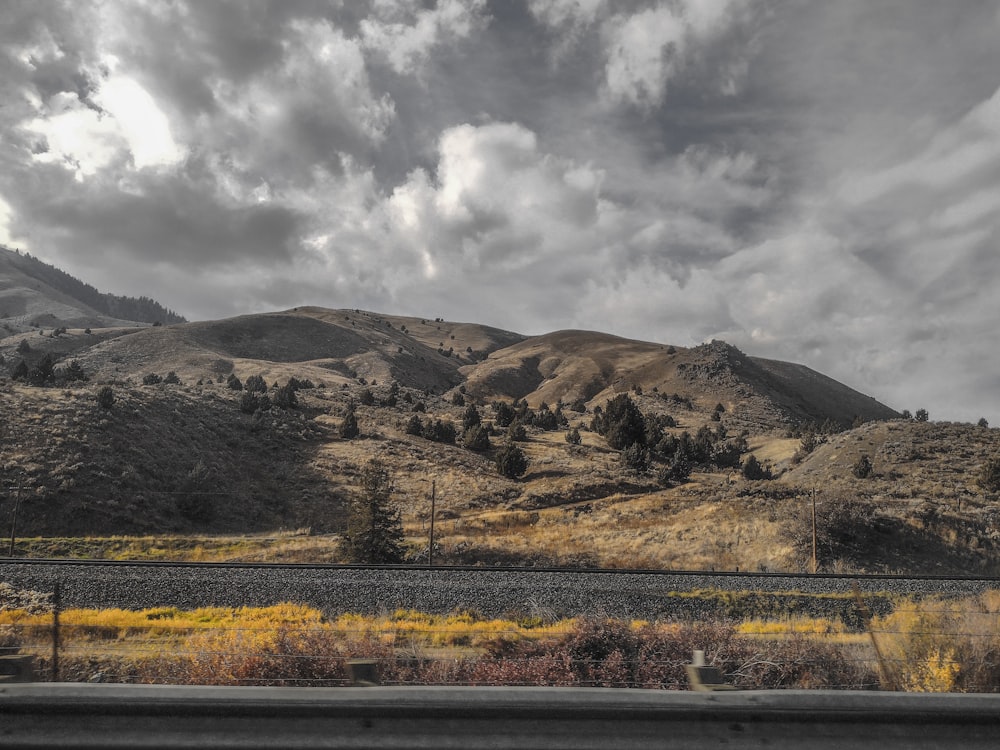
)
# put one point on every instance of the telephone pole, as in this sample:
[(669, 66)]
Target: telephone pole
[(430, 550), (13, 521), (814, 530)]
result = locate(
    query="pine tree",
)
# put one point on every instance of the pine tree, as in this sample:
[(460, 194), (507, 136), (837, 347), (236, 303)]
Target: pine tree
[(256, 383), (621, 423), (989, 475), (415, 426), (471, 418), (73, 372), (374, 529), (42, 373), (511, 461), (106, 397), (753, 470), (349, 427), (285, 398), (476, 439), (862, 468)]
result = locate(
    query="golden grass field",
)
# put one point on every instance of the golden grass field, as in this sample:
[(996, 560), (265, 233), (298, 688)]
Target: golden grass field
[(932, 645)]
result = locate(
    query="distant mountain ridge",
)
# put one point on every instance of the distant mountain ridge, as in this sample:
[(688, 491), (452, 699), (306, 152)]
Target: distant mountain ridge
[(137, 309)]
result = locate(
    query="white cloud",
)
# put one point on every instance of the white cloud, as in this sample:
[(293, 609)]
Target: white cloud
[(406, 34), (646, 50), (76, 136), (643, 53), (496, 201), (140, 122)]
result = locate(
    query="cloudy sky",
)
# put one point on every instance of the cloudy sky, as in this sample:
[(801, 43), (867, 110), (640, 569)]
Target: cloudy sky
[(808, 180)]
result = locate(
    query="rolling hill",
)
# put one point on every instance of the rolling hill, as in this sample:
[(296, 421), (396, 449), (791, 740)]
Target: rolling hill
[(187, 456)]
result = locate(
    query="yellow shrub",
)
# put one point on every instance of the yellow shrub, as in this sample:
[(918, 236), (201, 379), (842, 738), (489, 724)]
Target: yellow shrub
[(939, 645)]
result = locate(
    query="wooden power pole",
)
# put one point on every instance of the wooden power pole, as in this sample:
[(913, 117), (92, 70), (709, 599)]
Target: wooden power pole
[(430, 550)]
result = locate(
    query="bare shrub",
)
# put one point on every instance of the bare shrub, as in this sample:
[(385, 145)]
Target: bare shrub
[(846, 528)]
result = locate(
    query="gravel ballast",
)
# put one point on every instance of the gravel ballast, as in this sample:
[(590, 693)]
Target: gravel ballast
[(488, 592)]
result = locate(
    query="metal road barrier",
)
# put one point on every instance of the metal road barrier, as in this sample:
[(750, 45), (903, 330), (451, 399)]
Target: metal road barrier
[(146, 716)]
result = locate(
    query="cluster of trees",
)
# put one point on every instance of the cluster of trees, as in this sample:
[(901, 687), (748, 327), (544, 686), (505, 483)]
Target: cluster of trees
[(438, 430), (510, 459), (45, 373), (518, 412), (170, 378), (256, 396), (643, 441)]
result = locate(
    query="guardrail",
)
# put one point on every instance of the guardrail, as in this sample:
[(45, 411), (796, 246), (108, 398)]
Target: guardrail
[(141, 716)]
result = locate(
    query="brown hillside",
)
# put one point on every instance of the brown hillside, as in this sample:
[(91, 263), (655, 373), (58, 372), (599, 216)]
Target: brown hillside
[(27, 302), (333, 346), (758, 394)]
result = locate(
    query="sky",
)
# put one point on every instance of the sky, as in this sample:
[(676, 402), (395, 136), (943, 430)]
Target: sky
[(811, 181)]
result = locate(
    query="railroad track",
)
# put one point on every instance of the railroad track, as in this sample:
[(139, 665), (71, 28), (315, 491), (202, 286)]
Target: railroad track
[(492, 592)]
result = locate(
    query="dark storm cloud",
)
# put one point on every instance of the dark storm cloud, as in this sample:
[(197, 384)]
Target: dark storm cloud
[(174, 222)]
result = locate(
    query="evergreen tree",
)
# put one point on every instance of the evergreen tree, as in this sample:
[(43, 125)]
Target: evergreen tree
[(544, 419), (349, 427), (516, 432), (73, 372), (862, 468), (989, 475), (285, 398), (256, 383), (374, 533), (42, 373), (470, 418), (505, 414), (675, 472), (251, 403), (621, 423), (511, 461), (635, 457), (415, 426), (441, 432), (106, 397), (476, 439), (752, 469)]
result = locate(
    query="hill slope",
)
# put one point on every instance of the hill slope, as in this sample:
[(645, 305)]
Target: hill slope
[(36, 294), (580, 365)]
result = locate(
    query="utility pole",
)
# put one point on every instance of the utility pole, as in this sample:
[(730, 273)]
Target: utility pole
[(814, 529), (430, 551), (13, 521)]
